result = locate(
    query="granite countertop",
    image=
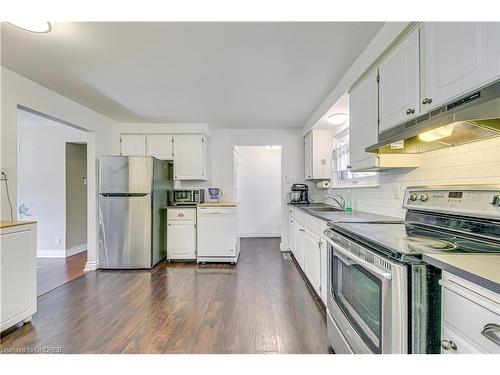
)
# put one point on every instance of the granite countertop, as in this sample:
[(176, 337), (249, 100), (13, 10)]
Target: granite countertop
[(8, 224), (339, 216), (480, 269), (218, 204)]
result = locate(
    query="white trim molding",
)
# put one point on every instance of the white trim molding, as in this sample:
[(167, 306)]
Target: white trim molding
[(76, 249), (90, 266), (261, 234), (51, 253)]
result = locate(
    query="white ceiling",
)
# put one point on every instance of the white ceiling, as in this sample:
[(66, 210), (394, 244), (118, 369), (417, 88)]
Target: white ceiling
[(229, 75)]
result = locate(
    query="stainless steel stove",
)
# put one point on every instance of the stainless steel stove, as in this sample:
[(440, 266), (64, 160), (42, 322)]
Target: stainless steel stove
[(382, 298)]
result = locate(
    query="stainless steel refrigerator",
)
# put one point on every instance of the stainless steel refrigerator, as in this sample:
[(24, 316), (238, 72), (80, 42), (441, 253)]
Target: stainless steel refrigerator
[(133, 193)]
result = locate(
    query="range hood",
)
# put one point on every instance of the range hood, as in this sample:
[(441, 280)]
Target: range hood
[(470, 118)]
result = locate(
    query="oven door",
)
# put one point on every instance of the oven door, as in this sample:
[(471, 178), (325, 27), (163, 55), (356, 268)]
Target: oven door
[(364, 299)]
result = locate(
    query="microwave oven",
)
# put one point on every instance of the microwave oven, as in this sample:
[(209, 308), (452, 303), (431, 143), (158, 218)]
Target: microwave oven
[(187, 197)]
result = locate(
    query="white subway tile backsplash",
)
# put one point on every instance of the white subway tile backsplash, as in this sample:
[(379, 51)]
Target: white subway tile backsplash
[(471, 157), (474, 163)]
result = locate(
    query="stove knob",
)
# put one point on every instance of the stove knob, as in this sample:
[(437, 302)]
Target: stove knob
[(423, 197), (413, 197)]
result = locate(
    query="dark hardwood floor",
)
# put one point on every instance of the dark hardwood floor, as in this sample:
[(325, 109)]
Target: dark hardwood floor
[(54, 272), (261, 305)]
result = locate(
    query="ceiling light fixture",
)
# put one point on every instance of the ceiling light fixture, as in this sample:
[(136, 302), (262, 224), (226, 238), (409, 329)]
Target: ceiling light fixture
[(337, 118), (39, 27)]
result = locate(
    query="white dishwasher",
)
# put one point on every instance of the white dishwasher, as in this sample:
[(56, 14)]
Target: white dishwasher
[(217, 237)]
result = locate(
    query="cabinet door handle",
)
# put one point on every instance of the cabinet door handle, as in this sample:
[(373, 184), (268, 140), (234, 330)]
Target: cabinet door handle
[(410, 111), (427, 101), (448, 345), (492, 332)]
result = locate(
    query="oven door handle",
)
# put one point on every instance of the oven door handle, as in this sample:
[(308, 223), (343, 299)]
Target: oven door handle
[(352, 259)]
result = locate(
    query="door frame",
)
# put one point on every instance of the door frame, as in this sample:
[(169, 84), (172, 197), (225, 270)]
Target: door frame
[(91, 263)]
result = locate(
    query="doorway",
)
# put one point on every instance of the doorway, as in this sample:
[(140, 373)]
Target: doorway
[(51, 189), (258, 190)]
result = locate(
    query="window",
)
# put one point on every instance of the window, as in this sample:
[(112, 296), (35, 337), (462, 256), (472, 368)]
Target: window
[(342, 176)]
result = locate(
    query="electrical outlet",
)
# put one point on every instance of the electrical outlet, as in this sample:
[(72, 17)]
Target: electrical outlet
[(58, 240), (6, 171)]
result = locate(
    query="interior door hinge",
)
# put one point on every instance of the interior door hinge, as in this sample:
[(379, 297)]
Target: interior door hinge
[(378, 77)]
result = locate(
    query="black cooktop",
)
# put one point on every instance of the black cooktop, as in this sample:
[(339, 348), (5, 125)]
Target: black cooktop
[(414, 239)]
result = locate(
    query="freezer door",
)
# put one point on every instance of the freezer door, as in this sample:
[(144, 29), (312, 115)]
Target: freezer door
[(125, 231), (125, 174)]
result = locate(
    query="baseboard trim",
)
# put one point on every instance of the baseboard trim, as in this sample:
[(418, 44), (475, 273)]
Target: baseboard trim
[(76, 249), (250, 235), (90, 266), (51, 253)]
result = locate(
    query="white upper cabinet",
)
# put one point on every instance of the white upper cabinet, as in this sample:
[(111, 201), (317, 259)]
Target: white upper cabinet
[(318, 147), (190, 157), (363, 122), (458, 57), (399, 89), (159, 146), (133, 145)]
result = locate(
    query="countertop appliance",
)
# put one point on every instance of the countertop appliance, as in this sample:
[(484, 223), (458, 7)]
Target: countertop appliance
[(214, 194), (133, 192), (187, 197), (299, 194), (382, 298), (217, 235)]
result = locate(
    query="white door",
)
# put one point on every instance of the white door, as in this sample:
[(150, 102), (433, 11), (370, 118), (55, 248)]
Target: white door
[(458, 57), (181, 240), (363, 122), (399, 84), (312, 259), (159, 146), (189, 157), (291, 245), (298, 238), (133, 145), (308, 150)]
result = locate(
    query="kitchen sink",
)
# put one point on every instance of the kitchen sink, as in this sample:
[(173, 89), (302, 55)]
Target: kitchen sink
[(325, 209)]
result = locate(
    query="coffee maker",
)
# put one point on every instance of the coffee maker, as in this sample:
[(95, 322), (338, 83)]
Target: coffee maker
[(299, 194)]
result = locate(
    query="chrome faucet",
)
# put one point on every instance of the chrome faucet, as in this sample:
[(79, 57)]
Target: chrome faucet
[(340, 203)]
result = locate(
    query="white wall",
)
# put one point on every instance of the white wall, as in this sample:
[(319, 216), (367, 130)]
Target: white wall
[(222, 143), (259, 175), (102, 138), (41, 182), (76, 198), (473, 163)]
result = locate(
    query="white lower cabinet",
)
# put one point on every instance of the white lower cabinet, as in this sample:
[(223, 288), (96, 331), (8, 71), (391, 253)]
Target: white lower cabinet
[(298, 241), (305, 241), (17, 274), (290, 234), (181, 234), (470, 317), (312, 259)]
